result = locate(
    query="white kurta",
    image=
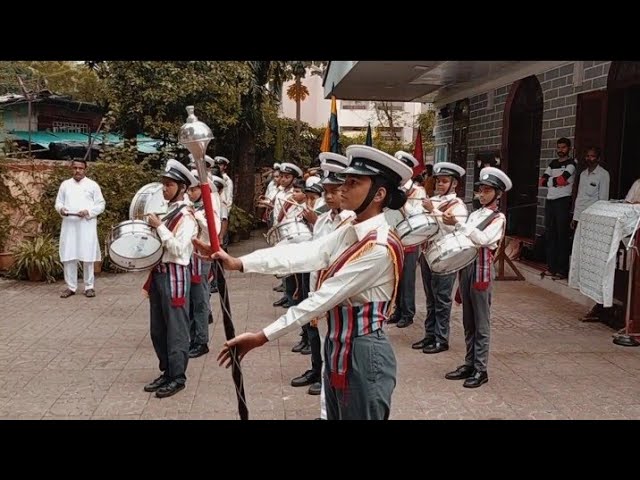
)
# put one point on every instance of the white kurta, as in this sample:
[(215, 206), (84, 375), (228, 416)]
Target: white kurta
[(79, 236)]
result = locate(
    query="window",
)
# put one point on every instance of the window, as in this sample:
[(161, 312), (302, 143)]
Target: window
[(70, 127), (441, 153)]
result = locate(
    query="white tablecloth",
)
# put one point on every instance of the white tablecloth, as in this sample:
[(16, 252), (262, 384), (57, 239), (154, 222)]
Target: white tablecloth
[(593, 260)]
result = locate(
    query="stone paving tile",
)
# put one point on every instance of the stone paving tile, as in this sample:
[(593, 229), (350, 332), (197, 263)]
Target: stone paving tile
[(82, 358)]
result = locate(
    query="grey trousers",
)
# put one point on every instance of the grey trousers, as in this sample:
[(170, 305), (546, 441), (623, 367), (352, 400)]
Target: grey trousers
[(438, 290), (169, 328), (371, 379), (199, 308), (406, 298), (476, 305)]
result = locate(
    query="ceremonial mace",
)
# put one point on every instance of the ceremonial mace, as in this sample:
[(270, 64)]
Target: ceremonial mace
[(196, 135)]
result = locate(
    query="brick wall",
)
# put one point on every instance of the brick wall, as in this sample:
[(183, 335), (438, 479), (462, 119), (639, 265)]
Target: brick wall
[(559, 118)]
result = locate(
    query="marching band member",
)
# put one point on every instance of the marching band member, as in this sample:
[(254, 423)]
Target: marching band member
[(406, 298), (332, 164), (199, 305), (168, 284), (485, 228), (223, 164), (437, 287), (360, 265), (288, 172)]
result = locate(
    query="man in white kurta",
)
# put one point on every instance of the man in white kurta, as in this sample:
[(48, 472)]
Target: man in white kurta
[(79, 202)]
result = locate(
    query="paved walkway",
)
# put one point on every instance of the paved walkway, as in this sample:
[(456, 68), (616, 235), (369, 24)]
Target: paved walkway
[(81, 358)]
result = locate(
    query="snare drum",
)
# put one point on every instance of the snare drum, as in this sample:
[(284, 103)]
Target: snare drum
[(451, 253), (149, 199), (416, 229), (294, 231), (134, 246)]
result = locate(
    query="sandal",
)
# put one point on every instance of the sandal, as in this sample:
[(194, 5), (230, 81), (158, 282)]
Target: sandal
[(67, 293), (90, 293), (546, 273)]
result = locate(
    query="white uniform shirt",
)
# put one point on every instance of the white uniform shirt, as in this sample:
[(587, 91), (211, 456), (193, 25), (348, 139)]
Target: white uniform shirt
[(369, 278), (227, 191), (489, 237), (593, 186), (79, 236), (325, 224), (178, 247), (278, 202), (459, 210)]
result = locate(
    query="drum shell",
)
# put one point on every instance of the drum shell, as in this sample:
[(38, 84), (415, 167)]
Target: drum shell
[(134, 246), (149, 199), (416, 229), (450, 253), (294, 231)]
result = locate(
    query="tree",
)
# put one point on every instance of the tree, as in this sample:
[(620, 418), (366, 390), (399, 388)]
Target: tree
[(150, 97), (65, 78), (427, 121)]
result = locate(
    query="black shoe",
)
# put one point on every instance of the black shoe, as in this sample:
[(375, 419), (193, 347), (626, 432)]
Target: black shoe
[(213, 288), (460, 373), (156, 384), (307, 378), (404, 322), (306, 350), (210, 318), (279, 303), (476, 380), (315, 389), (198, 350), (299, 346), (423, 343), (286, 305), (435, 347), (279, 288), (169, 389)]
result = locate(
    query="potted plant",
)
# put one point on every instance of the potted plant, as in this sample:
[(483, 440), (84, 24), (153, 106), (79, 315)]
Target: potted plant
[(37, 259), (240, 223)]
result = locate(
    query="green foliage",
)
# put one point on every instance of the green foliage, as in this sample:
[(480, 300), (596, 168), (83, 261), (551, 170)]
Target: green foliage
[(427, 121), (300, 151), (64, 78), (39, 254), (5, 230), (119, 182), (240, 221), (151, 97)]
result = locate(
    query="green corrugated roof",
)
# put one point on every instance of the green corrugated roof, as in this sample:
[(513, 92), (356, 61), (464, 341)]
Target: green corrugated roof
[(38, 138), (145, 144)]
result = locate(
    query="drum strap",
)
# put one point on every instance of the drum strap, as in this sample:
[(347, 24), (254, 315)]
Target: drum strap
[(485, 258)]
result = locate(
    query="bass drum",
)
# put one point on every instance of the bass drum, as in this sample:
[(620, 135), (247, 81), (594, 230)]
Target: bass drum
[(134, 246), (450, 253), (149, 199)]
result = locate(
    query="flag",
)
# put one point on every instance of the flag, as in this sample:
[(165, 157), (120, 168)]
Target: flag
[(419, 156), (333, 123), (369, 139), (325, 146)]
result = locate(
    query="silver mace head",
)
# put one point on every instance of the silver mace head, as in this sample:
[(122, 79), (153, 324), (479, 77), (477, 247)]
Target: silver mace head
[(196, 135)]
